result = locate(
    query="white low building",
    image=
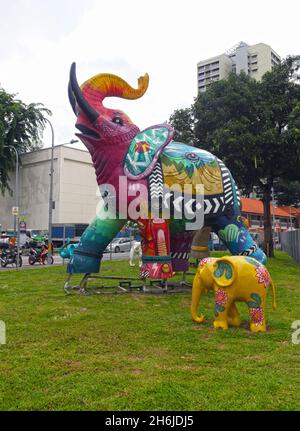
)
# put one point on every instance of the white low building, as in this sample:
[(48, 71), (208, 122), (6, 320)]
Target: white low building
[(74, 189)]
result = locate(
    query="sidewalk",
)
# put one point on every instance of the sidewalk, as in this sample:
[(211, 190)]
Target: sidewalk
[(58, 261)]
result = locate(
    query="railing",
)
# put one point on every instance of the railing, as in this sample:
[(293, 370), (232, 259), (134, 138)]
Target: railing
[(290, 243)]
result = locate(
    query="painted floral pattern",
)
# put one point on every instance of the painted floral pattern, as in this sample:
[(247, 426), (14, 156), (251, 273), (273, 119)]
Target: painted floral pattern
[(206, 260), (257, 315), (263, 275), (220, 297), (220, 300)]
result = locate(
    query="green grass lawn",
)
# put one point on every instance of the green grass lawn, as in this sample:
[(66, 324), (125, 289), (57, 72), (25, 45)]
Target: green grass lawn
[(142, 352)]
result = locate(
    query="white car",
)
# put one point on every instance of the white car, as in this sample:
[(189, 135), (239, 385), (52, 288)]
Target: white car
[(118, 245)]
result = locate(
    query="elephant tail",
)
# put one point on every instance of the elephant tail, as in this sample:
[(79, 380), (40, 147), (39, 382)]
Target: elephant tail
[(273, 294)]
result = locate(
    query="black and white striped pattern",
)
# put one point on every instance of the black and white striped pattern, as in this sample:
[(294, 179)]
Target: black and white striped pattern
[(238, 196), (156, 182), (227, 183), (144, 274), (180, 255), (249, 251)]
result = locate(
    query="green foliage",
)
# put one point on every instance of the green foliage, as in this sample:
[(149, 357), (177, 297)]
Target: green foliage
[(254, 127), (21, 126), (182, 122), (287, 192)]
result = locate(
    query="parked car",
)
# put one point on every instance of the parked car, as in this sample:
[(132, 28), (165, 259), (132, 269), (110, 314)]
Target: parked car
[(119, 245), (36, 237), (4, 240)]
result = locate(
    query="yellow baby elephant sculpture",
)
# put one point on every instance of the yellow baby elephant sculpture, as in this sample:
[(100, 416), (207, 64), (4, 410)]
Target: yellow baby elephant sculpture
[(233, 278)]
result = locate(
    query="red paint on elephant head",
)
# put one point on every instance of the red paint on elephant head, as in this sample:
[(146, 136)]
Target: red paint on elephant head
[(106, 132)]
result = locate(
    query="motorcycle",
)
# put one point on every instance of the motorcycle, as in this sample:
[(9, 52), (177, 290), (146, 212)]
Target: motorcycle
[(9, 257), (38, 256)]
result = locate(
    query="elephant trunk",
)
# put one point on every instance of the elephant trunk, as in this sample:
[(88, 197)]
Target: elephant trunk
[(103, 85), (196, 294)]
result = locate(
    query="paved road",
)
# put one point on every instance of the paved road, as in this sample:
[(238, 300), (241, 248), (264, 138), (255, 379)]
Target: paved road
[(59, 261)]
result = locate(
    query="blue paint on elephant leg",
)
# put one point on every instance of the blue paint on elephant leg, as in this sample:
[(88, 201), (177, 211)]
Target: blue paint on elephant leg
[(87, 257), (232, 231)]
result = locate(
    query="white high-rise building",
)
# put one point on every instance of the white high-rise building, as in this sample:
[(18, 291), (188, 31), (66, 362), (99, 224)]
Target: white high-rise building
[(254, 60), (296, 74)]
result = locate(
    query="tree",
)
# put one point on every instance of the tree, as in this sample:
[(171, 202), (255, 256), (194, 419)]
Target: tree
[(254, 127), (21, 126), (287, 193), (182, 121)]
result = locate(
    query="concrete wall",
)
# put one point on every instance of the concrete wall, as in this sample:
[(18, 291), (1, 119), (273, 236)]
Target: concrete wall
[(74, 189), (241, 59), (264, 63), (225, 66), (34, 185), (254, 60), (78, 187)]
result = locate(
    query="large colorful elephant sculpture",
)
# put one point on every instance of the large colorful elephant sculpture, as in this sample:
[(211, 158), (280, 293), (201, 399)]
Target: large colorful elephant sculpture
[(129, 162), (233, 279)]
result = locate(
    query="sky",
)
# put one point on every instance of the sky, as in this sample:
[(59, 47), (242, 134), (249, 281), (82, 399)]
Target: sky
[(39, 39)]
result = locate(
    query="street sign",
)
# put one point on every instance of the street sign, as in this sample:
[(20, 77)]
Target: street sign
[(15, 211), (22, 224)]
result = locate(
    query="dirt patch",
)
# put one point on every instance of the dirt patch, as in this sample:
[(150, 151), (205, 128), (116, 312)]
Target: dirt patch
[(135, 358), (137, 371), (75, 365)]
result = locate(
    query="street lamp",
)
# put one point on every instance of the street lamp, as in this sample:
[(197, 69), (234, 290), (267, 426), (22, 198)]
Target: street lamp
[(73, 141), (50, 251), (16, 217)]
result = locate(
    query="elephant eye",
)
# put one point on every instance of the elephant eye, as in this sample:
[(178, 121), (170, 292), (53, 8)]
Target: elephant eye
[(117, 120)]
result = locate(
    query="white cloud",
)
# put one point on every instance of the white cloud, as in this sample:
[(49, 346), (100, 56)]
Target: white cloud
[(164, 38)]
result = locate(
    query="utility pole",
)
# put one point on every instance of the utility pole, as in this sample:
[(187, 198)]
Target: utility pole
[(50, 250), (16, 216)]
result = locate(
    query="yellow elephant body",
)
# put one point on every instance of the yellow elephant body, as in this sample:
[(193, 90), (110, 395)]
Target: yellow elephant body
[(233, 279)]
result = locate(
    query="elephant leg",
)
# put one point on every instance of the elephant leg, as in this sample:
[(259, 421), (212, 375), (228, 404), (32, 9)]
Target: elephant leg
[(87, 257), (221, 321), (197, 290), (233, 317), (232, 231), (257, 316), (222, 306)]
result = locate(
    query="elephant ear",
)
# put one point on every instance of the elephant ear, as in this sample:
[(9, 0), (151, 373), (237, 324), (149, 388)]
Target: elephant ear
[(144, 151), (224, 272)]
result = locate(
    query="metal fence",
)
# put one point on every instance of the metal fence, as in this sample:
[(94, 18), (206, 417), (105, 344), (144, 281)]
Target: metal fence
[(290, 243)]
